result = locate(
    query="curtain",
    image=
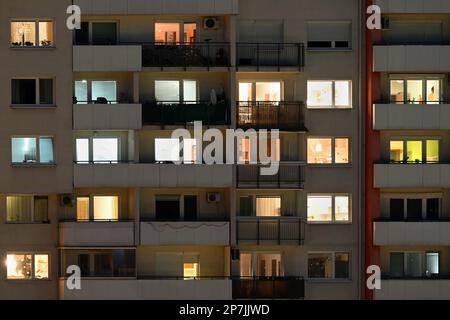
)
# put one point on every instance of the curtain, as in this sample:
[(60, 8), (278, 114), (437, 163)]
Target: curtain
[(18, 208), (268, 207)]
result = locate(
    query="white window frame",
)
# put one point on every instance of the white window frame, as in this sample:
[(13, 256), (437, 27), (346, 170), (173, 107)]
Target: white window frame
[(89, 89), (32, 221), (253, 85), (38, 152), (333, 207), (333, 94), (181, 91), (333, 151), (333, 262), (38, 93), (33, 271), (36, 40), (406, 77), (91, 149)]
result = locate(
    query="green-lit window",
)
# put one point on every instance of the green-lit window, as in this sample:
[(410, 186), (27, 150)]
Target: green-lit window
[(432, 151), (414, 151)]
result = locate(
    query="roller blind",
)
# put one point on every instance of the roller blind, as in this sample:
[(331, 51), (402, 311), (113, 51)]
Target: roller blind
[(329, 31)]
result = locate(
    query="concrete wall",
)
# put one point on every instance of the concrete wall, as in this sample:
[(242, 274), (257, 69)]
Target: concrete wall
[(413, 6), (107, 58), (107, 117)]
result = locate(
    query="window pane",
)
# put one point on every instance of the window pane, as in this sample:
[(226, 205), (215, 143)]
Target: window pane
[(342, 208), (46, 34), (104, 89), (81, 91), (104, 33), (82, 146), (268, 91), (397, 91), (105, 150), (167, 91), (342, 266), (190, 32), (397, 209), (83, 208), (46, 150), (415, 91), (189, 150), (40, 208), (268, 265), (245, 150), (245, 264), (414, 151), (167, 207), (268, 207), (414, 209), (190, 91), (106, 208), (18, 208), (23, 33), (168, 33), (319, 208), (414, 264), (82, 35), (191, 270), (23, 91), (319, 151), (19, 266), (396, 151), (320, 94), (23, 150), (46, 91), (342, 93), (397, 268), (433, 91), (245, 91), (167, 150), (246, 206), (432, 150), (433, 209), (320, 265), (432, 267), (341, 150), (41, 266)]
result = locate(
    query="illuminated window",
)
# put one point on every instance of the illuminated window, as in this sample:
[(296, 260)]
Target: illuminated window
[(27, 208), (329, 94), (268, 206), (329, 265), (83, 209), (88, 91), (432, 152), (261, 264), (341, 150), (260, 91), (169, 32), (106, 208), (328, 208), (397, 91), (189, 150), (191, 270), (245, 150), (397, 151), (32, 34), (27, 266), (328, 150), (32, 150), (169, 91), (167, 150), (414, 151), (415, 91), (98, 150)]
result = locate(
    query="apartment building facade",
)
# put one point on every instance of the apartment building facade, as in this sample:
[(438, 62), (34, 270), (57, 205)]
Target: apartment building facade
[(407, 150), (90, 115)]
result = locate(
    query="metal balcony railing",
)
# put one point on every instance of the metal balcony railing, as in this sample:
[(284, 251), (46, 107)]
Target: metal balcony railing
[(268, 288), (273, 229), (176, 113), (281, 115), (270, 55), (289, 176)]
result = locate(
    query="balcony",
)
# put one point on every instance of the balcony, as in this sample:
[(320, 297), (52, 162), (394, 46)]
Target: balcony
[(270, 230), (185, 233), (420, 233), (92, 58), (120, 116), (401, 175), (269, 288), (158, 7), (414, 289), (98, 233), (411, 116), (167, 113), (199, 55), (149, 289), (282, 115), (152, 175), (270, 56), (413, 6), (289, 176), (410, 58)]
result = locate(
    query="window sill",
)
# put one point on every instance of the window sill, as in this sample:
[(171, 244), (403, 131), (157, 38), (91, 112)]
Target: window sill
[(326, 223), (329, 108), (27, 280), (333, 165), (328, 280), (28, 223), (32, 47), (329, 49), (33, 106), (33, 165)]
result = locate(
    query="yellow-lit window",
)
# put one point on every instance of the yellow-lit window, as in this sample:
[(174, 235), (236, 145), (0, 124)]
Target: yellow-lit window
[(319, 150), (342, 208), (320, 208), (46, 34), (397, 91), (414, 151), (268, 206), (41, 266), (27, 266), (341, 150), (432, 150), (191, 270), (32, 33), (415, 91), (106, 208), (396, 151), (82, 208)]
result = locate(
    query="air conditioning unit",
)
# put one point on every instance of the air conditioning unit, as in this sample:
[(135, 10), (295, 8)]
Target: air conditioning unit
[(213, 197), (211, 23), (66, 200), (385, 23)]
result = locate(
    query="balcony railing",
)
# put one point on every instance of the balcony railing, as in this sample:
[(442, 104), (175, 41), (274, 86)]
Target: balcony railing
[(198, 54), (289, 176), (272, 229), (281, 115), (176, 113), (269, 288), (278, 55)]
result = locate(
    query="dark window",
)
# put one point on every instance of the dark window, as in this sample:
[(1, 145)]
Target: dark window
[(190, 207), (46, 91), (84, 264), (82, 35), (397, 265), (246, 206), (396, 209), (414, 209), (341, 265), (433, 209), (124, 262), (167, 208), (342, 44), (104, 33), (23, 91), (103, 265), (320, 44)]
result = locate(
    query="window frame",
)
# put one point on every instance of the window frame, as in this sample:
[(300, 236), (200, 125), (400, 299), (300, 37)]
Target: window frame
[(254, 198), (32, 221), (333, 263), (405, 196), (333, 105), (332, 42), (89, 90), (254, 261), (423, 140), (181, 24), (37, 103), (180, 91), (38, 152), (91, 149), (333, 151), (405, 78), (33, 271), (90, 31), (92, 207), (424, 263), (36, 40), (253, 83), (333, 208)]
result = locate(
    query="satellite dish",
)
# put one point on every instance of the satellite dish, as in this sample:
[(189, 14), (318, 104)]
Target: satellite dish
[(213, 97)]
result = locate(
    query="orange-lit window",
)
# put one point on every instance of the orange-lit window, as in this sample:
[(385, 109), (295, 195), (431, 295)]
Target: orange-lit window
[(341, 150), (27, 266), (190, 32), (83, 208), (245, 150), (106, 208), (328, 150), (32, 33), (167, 33), (191, 270)]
